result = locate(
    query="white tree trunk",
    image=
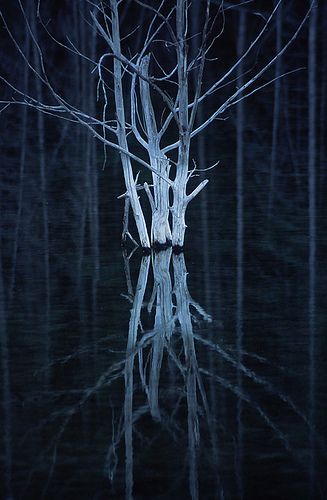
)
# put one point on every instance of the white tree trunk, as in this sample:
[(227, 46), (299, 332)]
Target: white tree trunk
[(178, 212), (160, 229), (160, 232), (121, 134), (179, 191)]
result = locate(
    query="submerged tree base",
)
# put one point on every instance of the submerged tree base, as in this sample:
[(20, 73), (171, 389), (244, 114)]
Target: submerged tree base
[(156, 247), (161, 247), (177, 249)]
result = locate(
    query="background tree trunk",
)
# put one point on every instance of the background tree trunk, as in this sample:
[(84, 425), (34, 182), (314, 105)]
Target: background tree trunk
[(276, 115), (240, 249), (312, 158), (22, 164), (43, 173)]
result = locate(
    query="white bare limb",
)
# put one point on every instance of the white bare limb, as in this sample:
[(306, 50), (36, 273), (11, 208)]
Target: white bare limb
[(197, 190), (232, 99)]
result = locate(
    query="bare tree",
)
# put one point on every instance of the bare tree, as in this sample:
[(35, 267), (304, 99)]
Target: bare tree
[(150, 99)]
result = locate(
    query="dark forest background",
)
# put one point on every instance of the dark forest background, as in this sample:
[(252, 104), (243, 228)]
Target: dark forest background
[(260, 223), (53, 173)]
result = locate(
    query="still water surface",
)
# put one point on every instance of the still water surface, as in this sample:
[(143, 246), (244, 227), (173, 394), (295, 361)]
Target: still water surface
[(149, 378)]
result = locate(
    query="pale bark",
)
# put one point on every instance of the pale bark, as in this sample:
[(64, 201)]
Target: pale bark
[(121, 133), (179, 188), (160, 228)]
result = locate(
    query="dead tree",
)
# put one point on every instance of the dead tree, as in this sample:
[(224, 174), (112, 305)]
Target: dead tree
[(151, 99)]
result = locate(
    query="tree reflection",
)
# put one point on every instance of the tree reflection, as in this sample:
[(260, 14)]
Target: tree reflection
[(174, 312), (179, 403), (165, 423)]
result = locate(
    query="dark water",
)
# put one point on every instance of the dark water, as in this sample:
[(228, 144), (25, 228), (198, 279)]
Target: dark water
[(147, 377)]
